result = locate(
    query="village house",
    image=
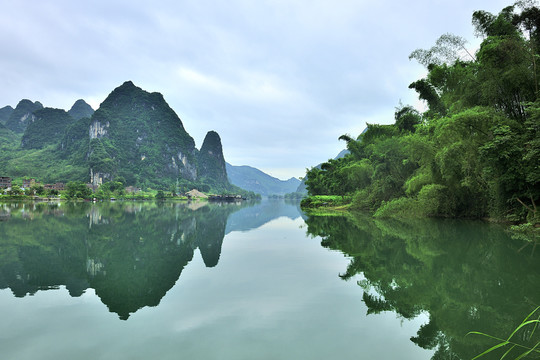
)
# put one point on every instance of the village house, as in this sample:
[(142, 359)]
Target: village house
[(27, 183), (132, 190), (5, 182), (58, 186)]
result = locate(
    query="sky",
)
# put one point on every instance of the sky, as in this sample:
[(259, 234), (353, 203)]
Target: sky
[(279, 80)]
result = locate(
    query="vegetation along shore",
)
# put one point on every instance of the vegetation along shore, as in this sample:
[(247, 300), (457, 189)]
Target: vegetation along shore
[(473, 153)]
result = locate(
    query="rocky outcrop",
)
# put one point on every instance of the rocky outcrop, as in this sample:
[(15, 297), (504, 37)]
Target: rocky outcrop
[(98, 178), (98, 130)]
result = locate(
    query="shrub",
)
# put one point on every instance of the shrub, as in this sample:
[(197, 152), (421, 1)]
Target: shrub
[(401, 207)]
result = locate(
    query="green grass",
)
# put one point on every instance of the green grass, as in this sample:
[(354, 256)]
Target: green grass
[(326, 201), (519, 350)]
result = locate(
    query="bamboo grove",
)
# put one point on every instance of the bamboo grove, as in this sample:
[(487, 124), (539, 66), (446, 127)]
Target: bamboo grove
[(475, 151)]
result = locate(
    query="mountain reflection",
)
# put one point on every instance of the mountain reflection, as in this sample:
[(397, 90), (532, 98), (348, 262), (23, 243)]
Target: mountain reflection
[(467, 275), (131, 254)]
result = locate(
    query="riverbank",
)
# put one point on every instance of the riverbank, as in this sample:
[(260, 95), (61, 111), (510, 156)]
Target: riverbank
[(334, 205), (329, 202)]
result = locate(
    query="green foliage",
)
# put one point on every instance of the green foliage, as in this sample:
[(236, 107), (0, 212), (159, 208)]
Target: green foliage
[(211, 163), (43, 164), (38, 189), (21, 116), (324, 200), (160, 195), (15, 190), (47, 128), (464, 275), (77, 190), (407, 118), (475, 152), (400, 207), (8, 139), (520, 342), (110, 189), (526, 232)]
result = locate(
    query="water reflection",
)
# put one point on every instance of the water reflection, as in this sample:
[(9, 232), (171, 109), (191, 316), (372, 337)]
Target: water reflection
[(466, 275), (130, 253)]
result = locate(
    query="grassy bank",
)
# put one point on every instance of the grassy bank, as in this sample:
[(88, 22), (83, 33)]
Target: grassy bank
[(332, 202)]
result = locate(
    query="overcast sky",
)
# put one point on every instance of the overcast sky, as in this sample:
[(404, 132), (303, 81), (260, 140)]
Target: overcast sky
[(279, 80)]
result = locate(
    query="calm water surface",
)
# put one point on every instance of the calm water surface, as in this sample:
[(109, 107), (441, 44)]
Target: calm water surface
[(252, 281)]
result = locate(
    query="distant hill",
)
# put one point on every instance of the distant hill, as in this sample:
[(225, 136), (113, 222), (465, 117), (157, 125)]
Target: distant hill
[(48, 127), (5, 112), (80, 110), (255, 180), (22, 115)]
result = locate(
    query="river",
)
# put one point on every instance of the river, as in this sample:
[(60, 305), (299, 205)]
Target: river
[(141, 280)]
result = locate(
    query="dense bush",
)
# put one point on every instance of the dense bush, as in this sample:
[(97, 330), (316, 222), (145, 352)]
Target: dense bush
[(474, 153)]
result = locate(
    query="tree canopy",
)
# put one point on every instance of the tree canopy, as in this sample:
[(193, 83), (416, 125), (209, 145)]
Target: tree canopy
[(475, 151)]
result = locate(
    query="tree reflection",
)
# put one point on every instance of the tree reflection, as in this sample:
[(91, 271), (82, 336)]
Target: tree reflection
[(130, 253), (466, 275)]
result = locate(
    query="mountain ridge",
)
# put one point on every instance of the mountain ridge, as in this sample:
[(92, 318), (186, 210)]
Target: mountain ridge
[(134, 134), (253, 179)]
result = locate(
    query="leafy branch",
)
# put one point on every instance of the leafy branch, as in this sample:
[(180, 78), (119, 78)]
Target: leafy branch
[(512, 344)]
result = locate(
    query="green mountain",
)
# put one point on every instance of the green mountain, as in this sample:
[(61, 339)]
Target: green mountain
[(255, 180), (5, 112), (48, 127), (8, 139), (134, 134), (211, 160), (22, 115), (80, 109)]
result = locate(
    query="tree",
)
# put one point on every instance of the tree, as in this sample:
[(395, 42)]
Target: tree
[(448, 49), (38, 189), (78, 189), (407, 118), (15, 190), (160, 195)]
